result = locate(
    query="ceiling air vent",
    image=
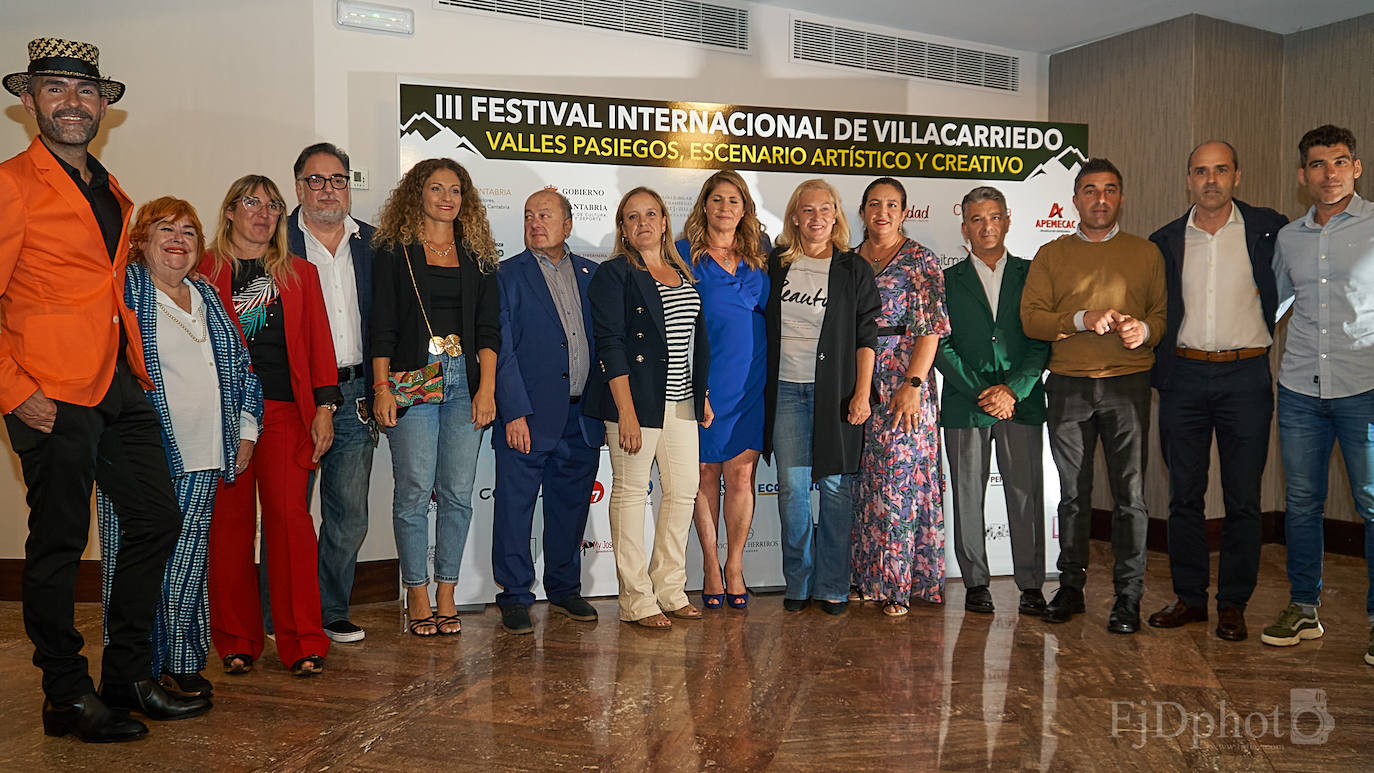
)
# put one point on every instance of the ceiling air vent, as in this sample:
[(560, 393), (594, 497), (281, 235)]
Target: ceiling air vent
[(709, 24), (814, 41)]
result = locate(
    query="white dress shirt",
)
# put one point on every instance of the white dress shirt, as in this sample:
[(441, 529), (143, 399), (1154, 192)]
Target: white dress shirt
[(1221, 305), (991, 278), (191, 385), (340, 291)]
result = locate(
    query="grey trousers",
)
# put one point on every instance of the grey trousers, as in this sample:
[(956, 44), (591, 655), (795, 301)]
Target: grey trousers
[(1019, 455), (1116, 410)]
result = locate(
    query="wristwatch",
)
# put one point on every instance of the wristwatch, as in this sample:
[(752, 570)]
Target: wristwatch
[(914, 381)]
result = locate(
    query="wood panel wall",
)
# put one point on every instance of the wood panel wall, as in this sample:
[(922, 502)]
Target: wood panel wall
[(1151, 95)]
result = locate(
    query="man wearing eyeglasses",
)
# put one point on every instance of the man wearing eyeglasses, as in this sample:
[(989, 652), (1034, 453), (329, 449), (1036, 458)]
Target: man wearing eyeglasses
[(322, 231)]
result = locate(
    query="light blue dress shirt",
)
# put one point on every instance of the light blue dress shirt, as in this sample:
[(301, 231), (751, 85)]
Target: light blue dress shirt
[(1327, 273)]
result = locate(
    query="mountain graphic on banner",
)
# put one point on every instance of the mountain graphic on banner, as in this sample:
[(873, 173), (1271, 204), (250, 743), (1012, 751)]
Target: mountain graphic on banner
[(1069, 158), (425, 132)]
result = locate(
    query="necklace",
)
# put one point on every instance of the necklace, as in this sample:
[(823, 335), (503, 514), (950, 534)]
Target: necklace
[(878, 262), (441, 253), (204, 332), (724, 256)]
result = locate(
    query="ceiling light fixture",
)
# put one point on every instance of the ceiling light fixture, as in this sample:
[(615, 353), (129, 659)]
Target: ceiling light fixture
[(374, 18)]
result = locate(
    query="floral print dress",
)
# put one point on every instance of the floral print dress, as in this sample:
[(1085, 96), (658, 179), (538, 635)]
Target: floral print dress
[(899, 525)]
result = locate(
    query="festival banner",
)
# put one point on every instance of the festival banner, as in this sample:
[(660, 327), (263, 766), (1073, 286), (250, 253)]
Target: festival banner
[(593, 149)]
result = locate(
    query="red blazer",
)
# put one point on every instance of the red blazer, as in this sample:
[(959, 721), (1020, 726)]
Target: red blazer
[(61, 299), (309, 345)]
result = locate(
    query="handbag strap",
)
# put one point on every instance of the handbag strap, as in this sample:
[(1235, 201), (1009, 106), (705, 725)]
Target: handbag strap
[(418, 300)]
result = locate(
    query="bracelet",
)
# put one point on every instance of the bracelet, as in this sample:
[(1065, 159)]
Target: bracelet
[(381, 384), (378, 389)]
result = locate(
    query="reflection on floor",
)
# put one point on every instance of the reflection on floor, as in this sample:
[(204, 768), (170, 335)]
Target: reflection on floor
[(769, 690)]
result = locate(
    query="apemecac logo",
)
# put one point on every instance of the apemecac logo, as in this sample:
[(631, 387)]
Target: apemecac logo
[(1055, 220)]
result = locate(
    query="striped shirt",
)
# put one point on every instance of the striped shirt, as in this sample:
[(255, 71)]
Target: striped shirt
[(681, 305)]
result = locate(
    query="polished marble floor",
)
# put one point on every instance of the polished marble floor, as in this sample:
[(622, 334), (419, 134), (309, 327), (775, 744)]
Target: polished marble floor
[(768, 690)]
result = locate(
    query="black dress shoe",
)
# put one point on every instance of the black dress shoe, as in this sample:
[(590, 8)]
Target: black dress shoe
[(516, 619), (1178, 614), (187, 685), (1125, 616), (1231, 624), (1067, 602), (91, 720), (979, 599), (574, 607), (833, 607), (1032, 602), (795, 605), (149, 699)]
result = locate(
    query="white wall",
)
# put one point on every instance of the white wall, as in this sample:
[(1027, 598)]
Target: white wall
[(218, 90)]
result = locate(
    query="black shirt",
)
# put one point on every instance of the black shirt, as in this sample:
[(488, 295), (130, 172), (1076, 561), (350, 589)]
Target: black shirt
[(446, 299), (103, 203), (258, 306)]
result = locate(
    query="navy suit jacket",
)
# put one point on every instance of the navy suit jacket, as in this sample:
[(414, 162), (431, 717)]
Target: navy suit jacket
[(361, 249), (627, 318), (532, 367), (1261, 229)]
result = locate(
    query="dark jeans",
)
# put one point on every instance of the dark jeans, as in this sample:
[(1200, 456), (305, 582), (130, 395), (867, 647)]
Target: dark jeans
[(345, 473), (118, 443), (566, 473), (1234, 400), (1117, 410)]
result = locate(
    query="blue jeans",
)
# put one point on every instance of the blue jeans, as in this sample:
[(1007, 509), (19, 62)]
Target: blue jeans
[(824, 573), (344, 476), (1308, 426), (434, 451)]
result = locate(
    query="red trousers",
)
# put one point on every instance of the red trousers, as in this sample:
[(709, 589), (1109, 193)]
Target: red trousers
[(289, 535)]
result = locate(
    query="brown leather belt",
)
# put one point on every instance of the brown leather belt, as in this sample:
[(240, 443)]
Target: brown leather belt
[(1230, 355)]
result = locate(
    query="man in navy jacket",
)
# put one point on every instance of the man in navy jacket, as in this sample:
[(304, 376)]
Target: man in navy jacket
[(541, 437), (1212, 373), (321, 231)]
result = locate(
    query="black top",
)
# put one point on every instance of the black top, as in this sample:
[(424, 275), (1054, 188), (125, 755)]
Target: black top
[(446, 288), (258, 306), (103, 203), (398, 328)]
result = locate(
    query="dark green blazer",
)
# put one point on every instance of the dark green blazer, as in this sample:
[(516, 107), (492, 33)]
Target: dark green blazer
[(980, 353)]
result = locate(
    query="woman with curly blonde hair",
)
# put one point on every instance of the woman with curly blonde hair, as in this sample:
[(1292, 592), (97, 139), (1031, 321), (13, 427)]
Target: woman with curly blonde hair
[(435, 304), (725, 244)]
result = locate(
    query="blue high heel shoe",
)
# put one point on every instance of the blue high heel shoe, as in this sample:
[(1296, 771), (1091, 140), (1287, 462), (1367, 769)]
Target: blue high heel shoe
[(714, 600), (736, 600)]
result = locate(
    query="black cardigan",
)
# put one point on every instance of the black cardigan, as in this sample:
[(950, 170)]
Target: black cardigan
[(398, 327), (627, 320), (850, 324)]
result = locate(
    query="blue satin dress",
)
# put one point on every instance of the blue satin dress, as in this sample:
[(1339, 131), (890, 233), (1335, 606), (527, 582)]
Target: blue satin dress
[(733, 306)]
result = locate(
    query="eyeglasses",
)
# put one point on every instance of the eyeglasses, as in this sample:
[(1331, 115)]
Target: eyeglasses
[(251, 203), (316, 182)]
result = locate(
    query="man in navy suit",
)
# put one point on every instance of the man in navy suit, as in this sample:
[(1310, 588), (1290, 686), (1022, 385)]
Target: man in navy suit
[(322, 231), (541, 437), (1212, 373)]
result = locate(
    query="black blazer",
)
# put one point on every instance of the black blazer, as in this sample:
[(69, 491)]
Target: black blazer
[(1261, 229), (627, 321), (850, 324), (398, 327)]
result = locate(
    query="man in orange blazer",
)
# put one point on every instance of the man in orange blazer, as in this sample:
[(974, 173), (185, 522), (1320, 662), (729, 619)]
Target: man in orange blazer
[(71, 389)]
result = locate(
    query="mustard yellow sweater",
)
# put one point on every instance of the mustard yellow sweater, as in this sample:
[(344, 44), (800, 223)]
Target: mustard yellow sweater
[(1069, 275)]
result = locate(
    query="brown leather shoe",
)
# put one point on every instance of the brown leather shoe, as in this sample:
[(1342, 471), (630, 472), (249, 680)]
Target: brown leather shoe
[(1177, 614), (1231, 624)]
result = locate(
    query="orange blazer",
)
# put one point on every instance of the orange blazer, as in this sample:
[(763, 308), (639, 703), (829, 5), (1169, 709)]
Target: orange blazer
[(61, 299)]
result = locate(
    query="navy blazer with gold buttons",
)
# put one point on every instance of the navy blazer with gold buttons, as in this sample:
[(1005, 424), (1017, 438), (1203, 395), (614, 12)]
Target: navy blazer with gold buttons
[(627, 322)]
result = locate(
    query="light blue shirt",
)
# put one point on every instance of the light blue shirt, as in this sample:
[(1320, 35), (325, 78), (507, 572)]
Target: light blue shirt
[(1327, 273)]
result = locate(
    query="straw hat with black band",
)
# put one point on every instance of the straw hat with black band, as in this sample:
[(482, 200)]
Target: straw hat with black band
[(64, 59)]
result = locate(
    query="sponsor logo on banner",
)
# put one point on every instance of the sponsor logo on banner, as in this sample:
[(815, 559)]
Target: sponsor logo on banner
[(598, 491), (1056, 221)]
